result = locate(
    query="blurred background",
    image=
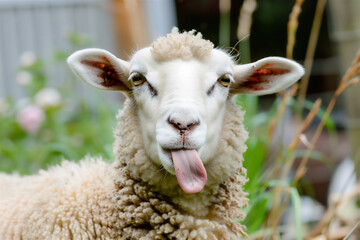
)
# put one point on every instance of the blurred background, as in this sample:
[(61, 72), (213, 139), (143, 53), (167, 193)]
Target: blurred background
[(46, 115)]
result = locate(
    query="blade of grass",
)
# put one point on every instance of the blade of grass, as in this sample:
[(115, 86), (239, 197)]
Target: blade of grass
[(256, 213), (295, 198)]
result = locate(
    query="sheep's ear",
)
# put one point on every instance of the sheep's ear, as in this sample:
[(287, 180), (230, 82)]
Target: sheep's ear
[(266, 76), (100, 69)]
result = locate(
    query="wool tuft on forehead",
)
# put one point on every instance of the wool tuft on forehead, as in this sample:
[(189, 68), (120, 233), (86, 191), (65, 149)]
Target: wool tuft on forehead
[(185, 46)]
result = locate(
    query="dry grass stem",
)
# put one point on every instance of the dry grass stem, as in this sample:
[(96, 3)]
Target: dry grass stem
[(245, 18), (310, 51), (353, 70), (292, 28), (225, 6), (309, 118), (346, 85)]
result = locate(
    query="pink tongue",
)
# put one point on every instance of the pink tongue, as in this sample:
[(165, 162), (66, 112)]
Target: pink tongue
[(190, 172)]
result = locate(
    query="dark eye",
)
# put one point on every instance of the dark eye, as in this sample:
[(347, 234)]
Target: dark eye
[(224, 81), (138, 80)]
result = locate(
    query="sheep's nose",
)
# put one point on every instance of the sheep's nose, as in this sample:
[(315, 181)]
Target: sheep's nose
[(183, 125)]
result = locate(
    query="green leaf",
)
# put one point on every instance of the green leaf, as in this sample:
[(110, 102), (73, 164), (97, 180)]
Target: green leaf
[(254, 156), (257, 212), (295, 198)]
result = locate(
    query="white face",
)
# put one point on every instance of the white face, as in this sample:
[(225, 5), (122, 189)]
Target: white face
[(181, 103)]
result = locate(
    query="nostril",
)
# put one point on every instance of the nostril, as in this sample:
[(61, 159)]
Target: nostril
[(181, 125), (192, 124), (175, 124)]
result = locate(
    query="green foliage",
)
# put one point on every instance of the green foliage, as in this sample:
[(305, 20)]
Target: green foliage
[(295, 197), (69, 128)]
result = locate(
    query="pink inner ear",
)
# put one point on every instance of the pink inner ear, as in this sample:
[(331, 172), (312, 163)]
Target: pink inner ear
[(259, 76), (106, 72)]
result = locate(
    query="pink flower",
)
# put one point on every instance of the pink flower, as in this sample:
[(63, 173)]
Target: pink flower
[(30, 118)]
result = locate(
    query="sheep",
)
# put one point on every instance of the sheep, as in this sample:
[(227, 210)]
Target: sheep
[(179, 145)]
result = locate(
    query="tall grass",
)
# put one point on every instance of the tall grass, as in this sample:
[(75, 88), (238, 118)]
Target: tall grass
[(273, 185)]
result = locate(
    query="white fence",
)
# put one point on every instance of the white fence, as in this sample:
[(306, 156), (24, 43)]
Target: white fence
[(42, 27)]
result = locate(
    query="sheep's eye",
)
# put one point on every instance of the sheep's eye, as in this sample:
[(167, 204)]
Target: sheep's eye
[(224, 81), (138, 80)]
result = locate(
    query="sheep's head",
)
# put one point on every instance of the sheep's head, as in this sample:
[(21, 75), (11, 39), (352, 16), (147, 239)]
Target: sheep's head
[(180, 86)]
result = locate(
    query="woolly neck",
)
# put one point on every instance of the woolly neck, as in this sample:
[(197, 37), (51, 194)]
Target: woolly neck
[(225, 166)]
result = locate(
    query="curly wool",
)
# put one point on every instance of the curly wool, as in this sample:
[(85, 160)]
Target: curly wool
[(186, 46), (147, 196), (71, 201)]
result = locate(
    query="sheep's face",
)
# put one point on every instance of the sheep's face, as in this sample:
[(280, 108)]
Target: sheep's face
[(181, 108), (181, 102)]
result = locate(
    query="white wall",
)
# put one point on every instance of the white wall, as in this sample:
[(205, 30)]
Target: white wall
[(42, 27), (160, 16)]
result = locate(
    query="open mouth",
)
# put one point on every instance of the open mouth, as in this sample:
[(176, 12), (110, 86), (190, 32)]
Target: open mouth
[(189, 169)]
